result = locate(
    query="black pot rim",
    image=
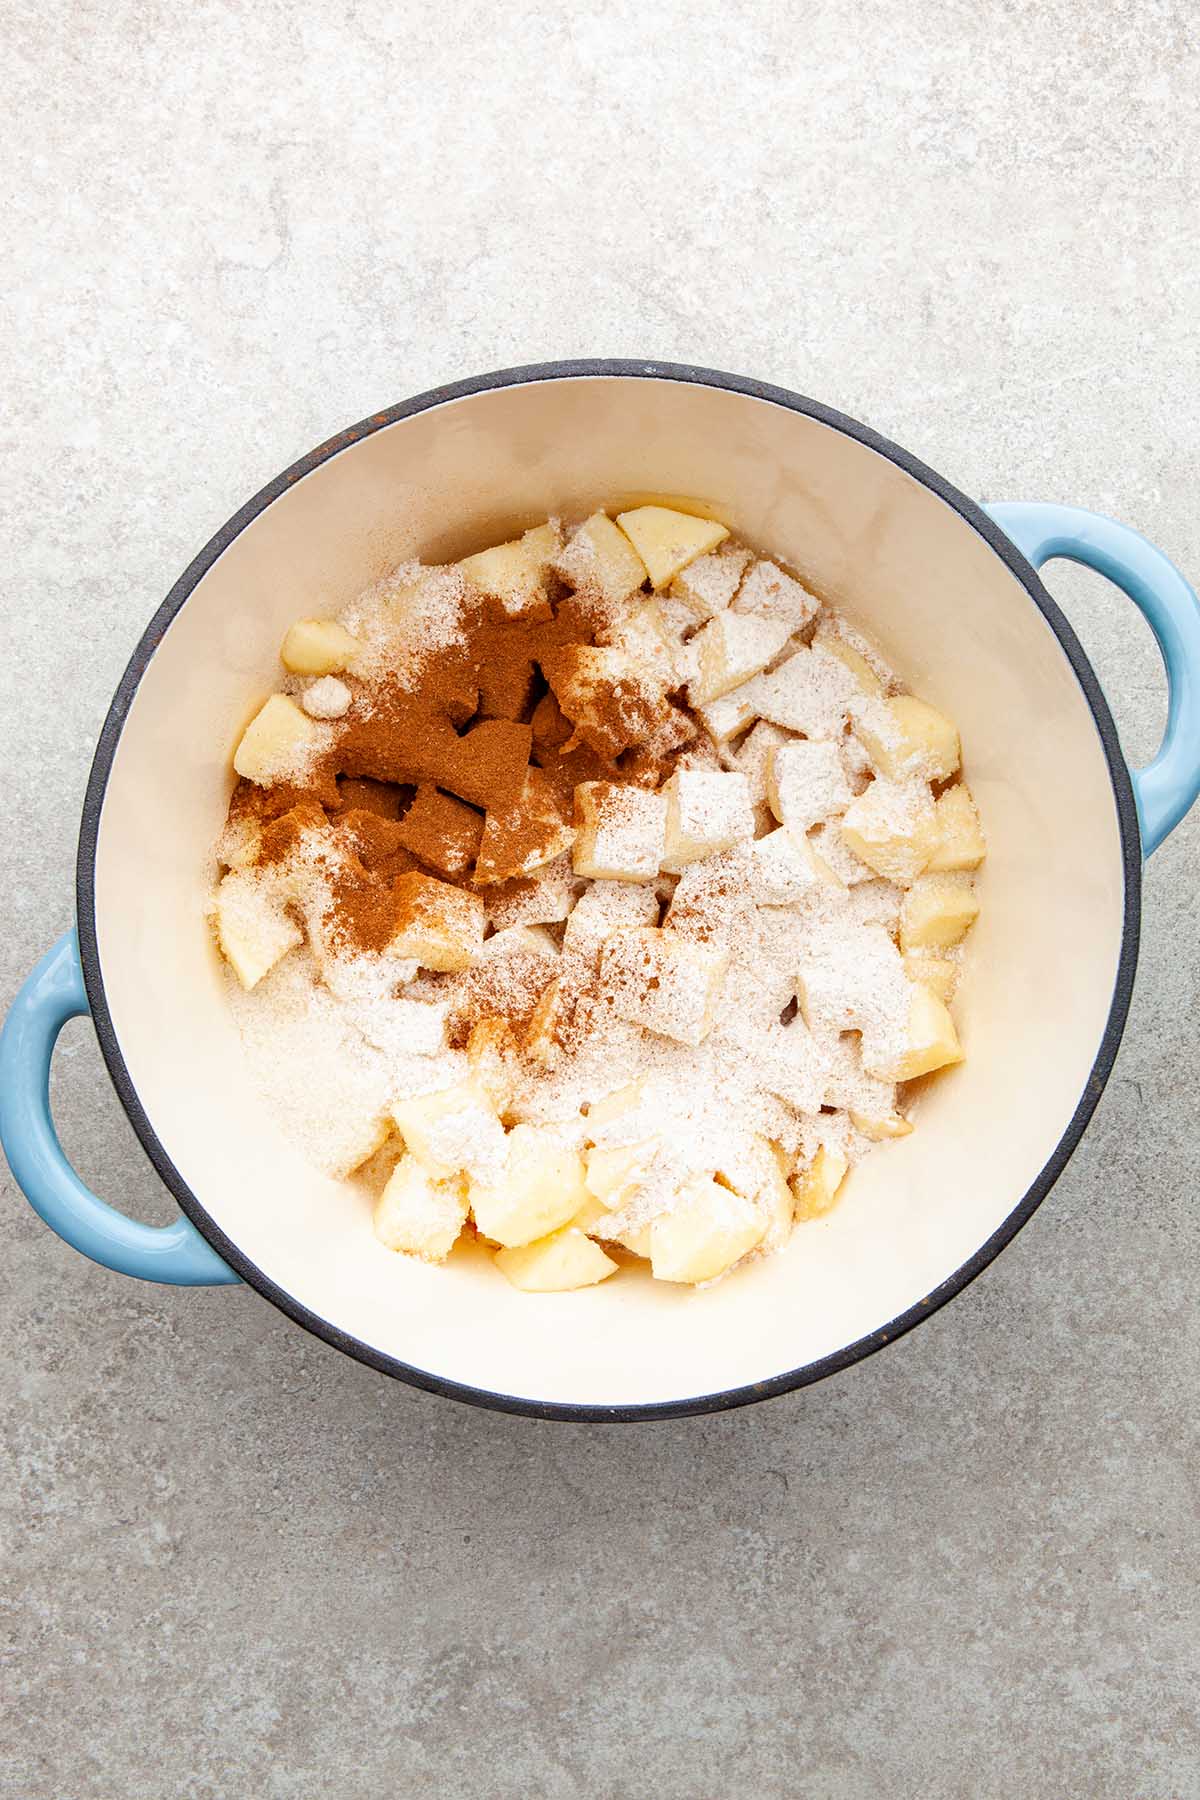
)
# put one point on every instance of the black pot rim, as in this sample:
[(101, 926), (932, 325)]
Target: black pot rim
[(730, 1397)]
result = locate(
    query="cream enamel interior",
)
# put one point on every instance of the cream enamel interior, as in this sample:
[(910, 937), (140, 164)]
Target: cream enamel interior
[(954, 620)]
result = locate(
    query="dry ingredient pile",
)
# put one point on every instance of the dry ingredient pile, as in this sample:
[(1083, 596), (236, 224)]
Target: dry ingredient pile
[(596, 896)]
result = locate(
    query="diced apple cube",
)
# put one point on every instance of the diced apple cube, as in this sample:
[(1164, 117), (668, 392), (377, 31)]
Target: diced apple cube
[(614, 700), (438, 925), (707, 585), (960, 840), (253, 929), (520, 839), (540, 1037), (539, 1188), (810, 693), (663, 982), (878, 1123), (318, 647), (832, 642), (667, 540), (937, 972), (851, 978), (771, 594), (494, 1059), (616, 1171), (600, 558), (783, 868), (816, 1189), (938, 910), (557, 1264), (620, 1107), (513, 574), (707, 811), (454, 1131), (278, 744), (442, 831), (760, 1174), (893, 828), (419, 1214), (726, 717), (592, 1217), (906, 737), (753, 756), (521, 940), (830, 846), (619, 831), (731, 648), (931, 1041), (607, 906), (806, 784), (707, 1230)]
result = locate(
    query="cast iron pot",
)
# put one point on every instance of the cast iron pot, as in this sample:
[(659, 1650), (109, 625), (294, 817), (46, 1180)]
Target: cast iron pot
[(949, 590)]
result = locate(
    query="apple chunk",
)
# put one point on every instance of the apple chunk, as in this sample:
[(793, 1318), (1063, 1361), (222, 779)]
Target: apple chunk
[(540, 1187), (707, 1230), (557, 1264), (667, 540), (419, 1214)]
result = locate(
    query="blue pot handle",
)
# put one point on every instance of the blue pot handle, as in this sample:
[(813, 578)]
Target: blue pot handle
[(174, 1253), (1167, 788)]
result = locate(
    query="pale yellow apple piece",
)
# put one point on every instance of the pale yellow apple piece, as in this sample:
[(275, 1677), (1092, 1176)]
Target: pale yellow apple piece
[(771, 594), (667, 540), (761, 1176), (419, 1214), (892, 827), (834, 644), (960, 840), (707, 585), (605, 907), (253, 929), (601, 558), (753, 755), (707, 811), (782, 868), (495, 1060), (816, 1188), (438, 925), (592, 1216), (557, 1264), (513, 574), (731, 648), (879, 1124), (540, 1187), (907, 736), (707, 1230), (937, 911), (318, 647), (454, 1130), (937, 972), (806, 783), (620, 831), (726, 717), (663, 982), (623, 1100), (613, 1171), (540, 1037), (931, 1041), (278, 744)]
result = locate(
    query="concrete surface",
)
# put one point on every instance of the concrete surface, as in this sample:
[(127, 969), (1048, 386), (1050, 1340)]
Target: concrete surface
[(236, 1564)]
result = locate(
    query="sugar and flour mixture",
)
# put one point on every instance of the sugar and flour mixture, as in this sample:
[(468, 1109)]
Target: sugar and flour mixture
[(596, 895)]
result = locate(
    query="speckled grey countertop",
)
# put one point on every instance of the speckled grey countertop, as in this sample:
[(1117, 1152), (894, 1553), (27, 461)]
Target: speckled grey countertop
[(237, 1564)]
